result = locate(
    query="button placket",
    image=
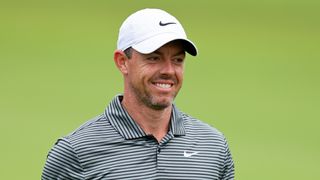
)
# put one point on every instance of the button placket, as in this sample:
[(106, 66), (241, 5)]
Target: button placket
[(158, 149)]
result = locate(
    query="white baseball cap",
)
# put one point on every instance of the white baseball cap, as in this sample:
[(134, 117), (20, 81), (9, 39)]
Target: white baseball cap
[(148, 29)]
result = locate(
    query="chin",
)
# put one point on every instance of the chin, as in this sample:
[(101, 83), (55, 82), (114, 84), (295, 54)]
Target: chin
[(159, 106), (161, 103)]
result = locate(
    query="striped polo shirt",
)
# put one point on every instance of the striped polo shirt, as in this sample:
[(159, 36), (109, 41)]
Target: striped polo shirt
[(113, 146)]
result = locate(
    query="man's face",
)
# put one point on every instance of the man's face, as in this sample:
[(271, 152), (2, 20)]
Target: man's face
[(155, 79)]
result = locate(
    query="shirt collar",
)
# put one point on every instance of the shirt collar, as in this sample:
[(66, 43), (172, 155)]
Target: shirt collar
[(129, 129)]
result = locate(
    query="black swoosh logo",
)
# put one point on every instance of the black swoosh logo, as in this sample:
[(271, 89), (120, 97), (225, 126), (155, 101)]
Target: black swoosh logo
[(165, 24)]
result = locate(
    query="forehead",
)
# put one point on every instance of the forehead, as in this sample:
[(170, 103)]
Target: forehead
[(175, 45), (172, 48)]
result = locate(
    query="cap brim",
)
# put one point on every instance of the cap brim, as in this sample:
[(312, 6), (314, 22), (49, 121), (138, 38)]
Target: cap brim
[(151, 44)]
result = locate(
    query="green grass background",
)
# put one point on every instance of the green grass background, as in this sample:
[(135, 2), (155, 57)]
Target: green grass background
[(256, 78)]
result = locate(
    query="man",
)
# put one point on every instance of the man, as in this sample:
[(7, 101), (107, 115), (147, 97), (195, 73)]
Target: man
[(142, 134)]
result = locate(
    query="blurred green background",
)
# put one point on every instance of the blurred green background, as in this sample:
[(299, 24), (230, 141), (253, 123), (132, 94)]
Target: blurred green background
[(256, 78)]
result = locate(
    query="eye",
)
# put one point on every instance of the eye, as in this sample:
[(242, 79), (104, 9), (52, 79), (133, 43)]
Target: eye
[(153, 58), (178, 60)]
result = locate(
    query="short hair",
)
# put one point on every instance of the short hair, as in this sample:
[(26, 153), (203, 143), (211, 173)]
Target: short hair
[(128, 52)]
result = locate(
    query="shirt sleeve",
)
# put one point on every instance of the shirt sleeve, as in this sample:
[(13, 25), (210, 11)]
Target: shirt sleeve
[(228, 172), (62, 163)]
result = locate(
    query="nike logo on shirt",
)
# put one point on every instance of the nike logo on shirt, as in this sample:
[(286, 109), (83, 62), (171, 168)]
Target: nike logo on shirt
[(189, 153)]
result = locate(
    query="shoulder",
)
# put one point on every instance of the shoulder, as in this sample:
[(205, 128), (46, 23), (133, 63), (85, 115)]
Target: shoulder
[(205, 137), (199, 126), (91, 133), (62, 162), (89, 126), (198, 129)]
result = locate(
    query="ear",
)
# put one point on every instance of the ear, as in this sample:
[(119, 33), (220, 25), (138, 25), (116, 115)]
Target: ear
[(121, 60)]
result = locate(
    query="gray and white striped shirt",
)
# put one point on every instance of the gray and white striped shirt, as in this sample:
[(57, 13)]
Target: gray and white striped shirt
[(113, 146)]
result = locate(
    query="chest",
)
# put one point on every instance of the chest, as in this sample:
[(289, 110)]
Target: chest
[(146, 159)]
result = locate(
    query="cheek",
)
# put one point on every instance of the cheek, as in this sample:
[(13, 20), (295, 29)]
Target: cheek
[(139, 74), (179, 74)]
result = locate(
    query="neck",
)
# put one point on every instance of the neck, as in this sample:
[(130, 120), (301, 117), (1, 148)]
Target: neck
[(154, 122)]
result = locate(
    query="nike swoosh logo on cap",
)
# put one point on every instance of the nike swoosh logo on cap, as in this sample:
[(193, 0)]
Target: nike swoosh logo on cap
[(165, 24)]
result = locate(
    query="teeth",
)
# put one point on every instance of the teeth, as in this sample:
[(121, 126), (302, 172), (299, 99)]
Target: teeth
[(163, 85)]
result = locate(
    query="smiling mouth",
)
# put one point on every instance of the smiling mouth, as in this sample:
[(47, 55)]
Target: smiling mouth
[(163, 85)]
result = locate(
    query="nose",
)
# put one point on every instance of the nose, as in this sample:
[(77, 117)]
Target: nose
[(167, 67)]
